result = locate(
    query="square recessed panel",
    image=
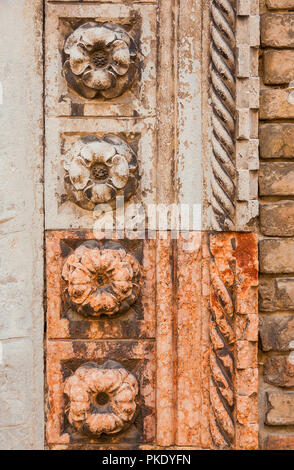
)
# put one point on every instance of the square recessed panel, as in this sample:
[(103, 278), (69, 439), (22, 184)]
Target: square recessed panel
[(65, 357), (63, 318), (140, 23), (61, 134)]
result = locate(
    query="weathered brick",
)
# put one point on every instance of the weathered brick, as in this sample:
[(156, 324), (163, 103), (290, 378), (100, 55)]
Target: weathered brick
[(277, 29), (277, 103), (276, 294), (276, 256), (279, 371), (276, 179), (276, 141), (279, 4), (280, 408), (279, 442), (277, 219), (278, 67), (277, 333)]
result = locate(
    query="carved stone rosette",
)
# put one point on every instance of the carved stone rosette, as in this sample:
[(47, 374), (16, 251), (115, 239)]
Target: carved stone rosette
[(99, 60), (102, 399), (99, 170), (101, 280), (223, 90)]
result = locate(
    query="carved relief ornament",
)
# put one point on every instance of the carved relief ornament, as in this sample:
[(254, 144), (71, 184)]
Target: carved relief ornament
[(102, 399), (99, 60), (98, 170), (101, 279), (223, 102)]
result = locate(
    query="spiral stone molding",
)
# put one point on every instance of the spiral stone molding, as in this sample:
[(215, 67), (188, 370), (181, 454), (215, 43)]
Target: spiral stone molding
[(223, 91), (222, 339), (233, 329), (234, 94)]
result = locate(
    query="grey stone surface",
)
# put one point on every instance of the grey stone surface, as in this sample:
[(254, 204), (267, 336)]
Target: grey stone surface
[(16, 363), (21, 225), (15, 438)]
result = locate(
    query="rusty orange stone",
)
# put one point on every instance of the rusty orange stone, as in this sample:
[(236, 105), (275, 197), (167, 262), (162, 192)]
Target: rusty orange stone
[(65, 317), (64, 359), (200, 362)]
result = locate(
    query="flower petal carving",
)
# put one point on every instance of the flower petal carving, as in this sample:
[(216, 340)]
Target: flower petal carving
[(100, 58), (97, 170), (102, 399), (101, 280), (100, 79), (78, 173), (119, 172), (79, 60), (121, 57)]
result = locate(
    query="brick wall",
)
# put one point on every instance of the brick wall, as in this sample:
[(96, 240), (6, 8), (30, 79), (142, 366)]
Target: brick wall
[(276, 246)]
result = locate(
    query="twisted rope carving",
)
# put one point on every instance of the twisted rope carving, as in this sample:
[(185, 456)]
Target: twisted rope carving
[(222, 339), (222, 90)]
